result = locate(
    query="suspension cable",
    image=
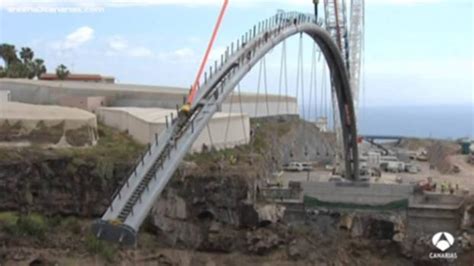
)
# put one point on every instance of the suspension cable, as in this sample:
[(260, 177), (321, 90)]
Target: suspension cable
[(310, 84), (286, 78), (280, 80), (242, 112), (312, 80), (229, 117), (210, 135), (316, 87), (259, 81), (323, 90), (265, 85), (299, 74)]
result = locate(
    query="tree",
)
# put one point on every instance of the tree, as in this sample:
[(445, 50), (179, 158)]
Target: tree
[(39, 67), (26, 54), (3, 73), (8, 54), (17, 70), (62, 72)]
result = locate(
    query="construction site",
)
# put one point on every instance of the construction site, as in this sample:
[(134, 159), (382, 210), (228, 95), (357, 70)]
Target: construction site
[(95, 172)]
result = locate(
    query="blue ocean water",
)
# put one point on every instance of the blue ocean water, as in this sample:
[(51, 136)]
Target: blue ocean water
[(441, 122)]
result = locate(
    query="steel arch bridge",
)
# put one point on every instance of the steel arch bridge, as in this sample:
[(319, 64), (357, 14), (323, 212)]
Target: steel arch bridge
[(133, 201)]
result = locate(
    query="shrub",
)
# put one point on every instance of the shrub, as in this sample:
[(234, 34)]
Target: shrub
[(33, 225), (106, 250), (71, 224)]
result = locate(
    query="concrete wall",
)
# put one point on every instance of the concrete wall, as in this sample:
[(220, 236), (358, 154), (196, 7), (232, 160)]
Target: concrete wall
[(431, 213), (95, 102), (4, 96), (88, 103), (74, 101), (422, 221), (371, 194)]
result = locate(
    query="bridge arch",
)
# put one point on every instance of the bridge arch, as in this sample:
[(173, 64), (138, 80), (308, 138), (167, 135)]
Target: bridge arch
[(133, 201), (339, 77)]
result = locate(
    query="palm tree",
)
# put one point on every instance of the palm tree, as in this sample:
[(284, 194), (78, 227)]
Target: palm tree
[(62, 72), (39, 67), (26, 54), (8, 54)]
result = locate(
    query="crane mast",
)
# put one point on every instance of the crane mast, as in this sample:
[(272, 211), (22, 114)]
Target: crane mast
[(356, 39)]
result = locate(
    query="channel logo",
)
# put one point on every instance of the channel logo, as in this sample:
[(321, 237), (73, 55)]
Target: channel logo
[(443, 241)]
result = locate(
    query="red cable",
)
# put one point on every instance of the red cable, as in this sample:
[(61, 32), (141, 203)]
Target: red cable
[(195, 85)]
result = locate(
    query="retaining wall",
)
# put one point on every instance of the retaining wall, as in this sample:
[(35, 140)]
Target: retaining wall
[(358, 194)]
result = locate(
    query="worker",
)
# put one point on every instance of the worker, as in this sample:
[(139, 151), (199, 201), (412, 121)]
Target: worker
[(443, 186), (185, 109)]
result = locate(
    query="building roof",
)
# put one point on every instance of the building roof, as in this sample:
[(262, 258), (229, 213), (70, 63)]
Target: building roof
[(136, 89), (23, 111), (78, 77), (157, 115)]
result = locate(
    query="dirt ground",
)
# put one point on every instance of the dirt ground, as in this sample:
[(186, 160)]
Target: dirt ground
[(465, 178)]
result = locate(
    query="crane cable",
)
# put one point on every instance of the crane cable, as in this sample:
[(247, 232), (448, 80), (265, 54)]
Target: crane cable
[(195, 85)]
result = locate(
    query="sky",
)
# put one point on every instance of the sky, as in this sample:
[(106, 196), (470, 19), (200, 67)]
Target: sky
[(416, 53)]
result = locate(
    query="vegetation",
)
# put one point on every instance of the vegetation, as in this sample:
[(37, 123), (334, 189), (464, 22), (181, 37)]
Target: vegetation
[(62, 72), (31, 225), (22, 66), (259, 144), (37, 227), (108, 251), (112, 147)]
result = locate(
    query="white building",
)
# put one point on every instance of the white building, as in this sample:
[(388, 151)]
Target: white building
[(225, 131)]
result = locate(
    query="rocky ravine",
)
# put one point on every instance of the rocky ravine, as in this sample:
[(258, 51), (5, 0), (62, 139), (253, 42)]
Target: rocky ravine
[(206, 215)]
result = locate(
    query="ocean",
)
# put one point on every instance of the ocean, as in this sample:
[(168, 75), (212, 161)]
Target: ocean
[(440, 122)]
